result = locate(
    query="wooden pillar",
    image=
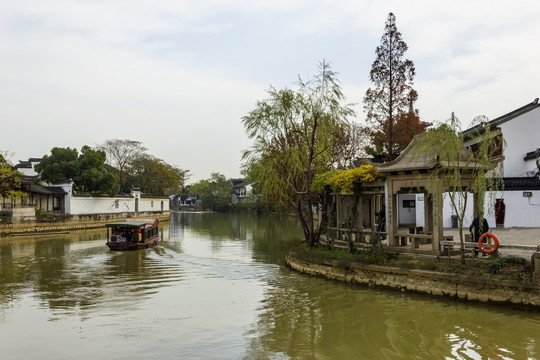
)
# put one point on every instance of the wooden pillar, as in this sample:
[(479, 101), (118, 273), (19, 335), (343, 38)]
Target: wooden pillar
[(428, 213), (373, 213), (437, 219), (392, 217), (338, 208)]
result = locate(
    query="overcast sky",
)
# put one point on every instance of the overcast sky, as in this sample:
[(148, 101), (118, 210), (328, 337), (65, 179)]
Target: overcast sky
[(179, 75)]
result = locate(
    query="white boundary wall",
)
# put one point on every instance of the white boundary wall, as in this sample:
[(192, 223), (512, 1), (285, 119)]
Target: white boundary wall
[(118, 204), (520, 211)]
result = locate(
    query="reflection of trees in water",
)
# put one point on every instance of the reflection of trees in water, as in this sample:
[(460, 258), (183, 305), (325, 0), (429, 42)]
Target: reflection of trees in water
[(13, 274), (67, 278), (266, 234), (305, 318)]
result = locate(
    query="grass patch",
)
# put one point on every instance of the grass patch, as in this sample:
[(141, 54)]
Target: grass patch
[(507, 268)]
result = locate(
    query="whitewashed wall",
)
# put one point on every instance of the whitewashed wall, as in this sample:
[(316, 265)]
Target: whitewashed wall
[(521, 211), (469, 210), (521, 136), (154, 204), (406, 215), (98, 205)]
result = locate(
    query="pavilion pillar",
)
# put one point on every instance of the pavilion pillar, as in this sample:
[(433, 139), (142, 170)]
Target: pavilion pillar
[(392, 215), (428, 213), (437, 219)]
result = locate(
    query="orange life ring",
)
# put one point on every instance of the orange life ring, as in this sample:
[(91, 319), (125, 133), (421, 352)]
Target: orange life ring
[(495, 243)]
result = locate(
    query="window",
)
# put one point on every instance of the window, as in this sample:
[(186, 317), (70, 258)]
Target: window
[(57, 202), (409, 203)]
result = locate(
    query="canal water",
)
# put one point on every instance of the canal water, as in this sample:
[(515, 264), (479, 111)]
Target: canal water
[(216, 288)]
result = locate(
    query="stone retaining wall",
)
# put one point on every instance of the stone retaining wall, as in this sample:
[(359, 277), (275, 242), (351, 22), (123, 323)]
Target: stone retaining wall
[(423, 281), (75, 222)]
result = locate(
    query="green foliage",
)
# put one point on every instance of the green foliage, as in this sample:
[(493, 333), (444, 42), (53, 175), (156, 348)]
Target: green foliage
[(85, 169), (62, 163), (294, 132), (462, 172), (321, 180), (215, 193), (9, 181), (90, 174), (498, 264), (154, 176), (40, 212)]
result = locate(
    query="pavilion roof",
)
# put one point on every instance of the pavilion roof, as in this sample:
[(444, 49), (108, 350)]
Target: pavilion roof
[(419, 156)]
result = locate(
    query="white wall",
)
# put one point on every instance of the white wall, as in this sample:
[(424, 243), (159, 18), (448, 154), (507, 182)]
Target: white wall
[(406, 216), (448, 211), (153, 204), (98, 205), (420, 210), (521, 211), (521, 136)]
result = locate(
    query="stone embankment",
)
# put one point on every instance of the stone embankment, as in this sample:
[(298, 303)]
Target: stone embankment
[(424, 281), (74, 222)]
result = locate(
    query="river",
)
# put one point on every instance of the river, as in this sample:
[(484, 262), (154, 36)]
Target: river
[(216, 288)]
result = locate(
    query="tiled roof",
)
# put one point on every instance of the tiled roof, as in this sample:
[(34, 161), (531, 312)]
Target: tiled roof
[(532, 155), (47, 190), (417, 156), (522, 183)]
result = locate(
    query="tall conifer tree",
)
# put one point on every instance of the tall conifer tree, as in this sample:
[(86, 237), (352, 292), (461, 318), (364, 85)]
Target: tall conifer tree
[(391, 96)]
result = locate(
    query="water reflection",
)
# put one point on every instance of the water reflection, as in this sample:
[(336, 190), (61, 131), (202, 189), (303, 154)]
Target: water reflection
[(76, 272), (216, 288)]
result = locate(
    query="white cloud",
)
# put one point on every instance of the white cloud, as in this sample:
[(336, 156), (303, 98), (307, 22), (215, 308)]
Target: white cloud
[(179, 75)]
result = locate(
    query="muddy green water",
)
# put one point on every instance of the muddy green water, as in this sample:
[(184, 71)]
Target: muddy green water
[(216, 288)]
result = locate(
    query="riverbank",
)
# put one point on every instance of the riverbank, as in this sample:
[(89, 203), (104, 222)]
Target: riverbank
[(74, 222), (495, 281)]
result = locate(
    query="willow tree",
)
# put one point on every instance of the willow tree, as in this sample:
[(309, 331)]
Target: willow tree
[(10, 185), (392, 95), (294, 132), (464, 172)]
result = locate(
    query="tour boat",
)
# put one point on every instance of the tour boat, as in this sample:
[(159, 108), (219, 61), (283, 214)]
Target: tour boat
[(132, 234)]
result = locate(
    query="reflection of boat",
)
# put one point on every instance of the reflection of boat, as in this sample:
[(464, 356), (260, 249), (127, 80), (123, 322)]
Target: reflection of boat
[(132, 234)]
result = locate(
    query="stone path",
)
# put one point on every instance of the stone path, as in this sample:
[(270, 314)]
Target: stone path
[(521, 242)]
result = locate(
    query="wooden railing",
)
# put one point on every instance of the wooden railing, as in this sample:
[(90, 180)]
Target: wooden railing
[(352, 238)]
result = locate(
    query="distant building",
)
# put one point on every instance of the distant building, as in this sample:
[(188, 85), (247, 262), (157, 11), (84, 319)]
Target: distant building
[(60, 197), (242, 188)]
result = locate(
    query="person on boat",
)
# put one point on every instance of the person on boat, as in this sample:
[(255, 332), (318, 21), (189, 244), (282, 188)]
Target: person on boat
[(477, 229)]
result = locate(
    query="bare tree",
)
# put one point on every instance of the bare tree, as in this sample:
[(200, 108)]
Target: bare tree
[(392, 94), (120, 154), (349, 145)]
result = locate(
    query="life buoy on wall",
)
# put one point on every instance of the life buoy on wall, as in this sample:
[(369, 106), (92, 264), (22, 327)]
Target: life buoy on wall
[(495, 243)]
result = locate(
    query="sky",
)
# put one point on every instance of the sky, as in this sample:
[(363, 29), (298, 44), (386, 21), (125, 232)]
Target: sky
[(180, 75)]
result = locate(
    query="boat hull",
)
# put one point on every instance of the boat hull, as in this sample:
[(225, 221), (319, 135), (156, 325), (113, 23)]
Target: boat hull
[(125, 246)]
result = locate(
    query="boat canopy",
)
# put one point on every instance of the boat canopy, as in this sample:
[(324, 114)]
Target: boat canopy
[(134, 223)]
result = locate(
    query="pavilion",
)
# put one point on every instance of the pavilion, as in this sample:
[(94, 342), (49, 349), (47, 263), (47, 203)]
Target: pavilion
[(418, 169)]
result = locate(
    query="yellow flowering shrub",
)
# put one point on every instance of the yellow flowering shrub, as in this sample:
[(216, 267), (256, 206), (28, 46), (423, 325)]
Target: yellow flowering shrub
[(345, 179)]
